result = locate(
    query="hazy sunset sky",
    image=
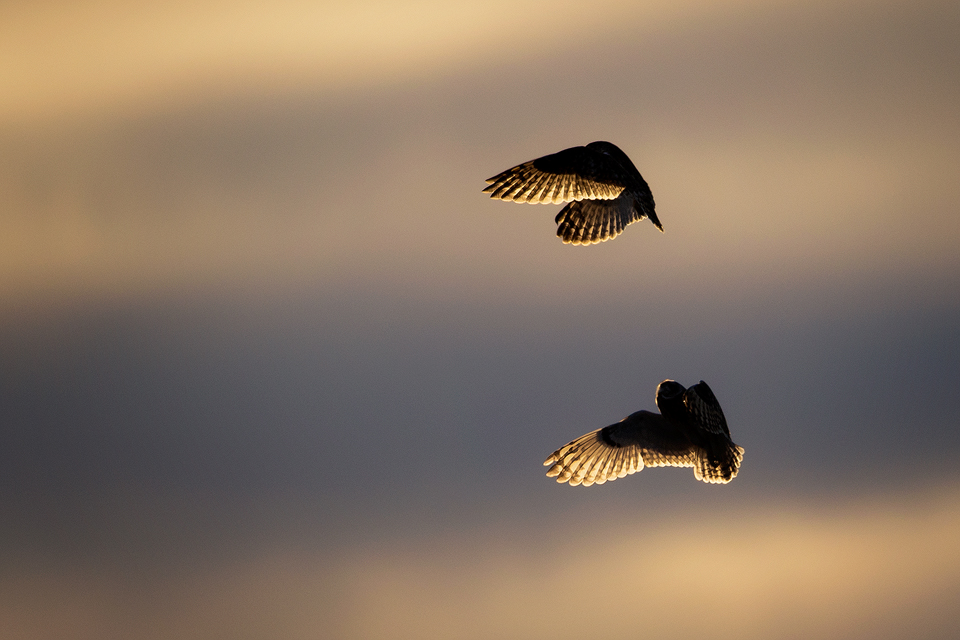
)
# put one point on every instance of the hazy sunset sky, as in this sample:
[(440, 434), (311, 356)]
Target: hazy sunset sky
[(274, 367)]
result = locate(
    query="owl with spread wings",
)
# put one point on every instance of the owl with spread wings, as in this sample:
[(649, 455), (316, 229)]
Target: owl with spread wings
[(603, 189), (689, 431)]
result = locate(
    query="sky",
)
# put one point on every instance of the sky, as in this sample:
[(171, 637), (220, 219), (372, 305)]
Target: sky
[(274, 367)]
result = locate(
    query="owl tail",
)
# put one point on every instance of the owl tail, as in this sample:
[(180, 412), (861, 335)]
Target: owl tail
[(719, 464)]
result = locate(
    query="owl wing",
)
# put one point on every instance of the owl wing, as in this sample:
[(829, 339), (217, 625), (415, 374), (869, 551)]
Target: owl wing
[(591, 221), (570, 175), (718, 460), (705, 409), (641, 439)]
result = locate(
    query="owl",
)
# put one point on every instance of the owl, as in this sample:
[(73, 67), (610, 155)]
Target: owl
[(689, 431), (603, 189)]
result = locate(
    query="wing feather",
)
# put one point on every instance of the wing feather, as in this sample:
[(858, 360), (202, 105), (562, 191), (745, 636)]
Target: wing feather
[(574, 174), (641, 439), (719, 465), (719, 459), (705, 409), (587, 222)]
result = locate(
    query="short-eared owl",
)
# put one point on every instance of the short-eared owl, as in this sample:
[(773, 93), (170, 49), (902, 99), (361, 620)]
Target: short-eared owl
[(604, 190), (689, 431)]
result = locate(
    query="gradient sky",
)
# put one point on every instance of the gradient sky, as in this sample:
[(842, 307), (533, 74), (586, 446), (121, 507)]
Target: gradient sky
[(273, 367)]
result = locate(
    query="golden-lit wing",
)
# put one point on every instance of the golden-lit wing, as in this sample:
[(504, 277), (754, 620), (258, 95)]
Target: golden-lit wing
[(642, 439), (719, 465), (592, 221), (570, 175)]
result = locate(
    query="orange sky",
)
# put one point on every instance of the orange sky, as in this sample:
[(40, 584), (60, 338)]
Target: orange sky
[(885, 568), (813, 169), (63, 59)]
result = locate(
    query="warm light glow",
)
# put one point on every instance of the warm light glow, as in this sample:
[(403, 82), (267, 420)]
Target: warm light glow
[(61, 59), (81, 216), (862, 569), (875, 569), (245, 258)]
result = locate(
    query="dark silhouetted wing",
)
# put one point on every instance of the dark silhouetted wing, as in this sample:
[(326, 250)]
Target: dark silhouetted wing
[(642, 439), (578, 173), (705, 409), (719, 461)]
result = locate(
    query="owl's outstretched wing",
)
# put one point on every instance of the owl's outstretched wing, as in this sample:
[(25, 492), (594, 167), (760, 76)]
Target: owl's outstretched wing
[(574, 174), (592, 221), (641, 439)]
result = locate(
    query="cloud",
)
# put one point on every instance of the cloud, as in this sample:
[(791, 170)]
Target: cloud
[(775, 162), (871, 568), (244, 256), (64, 59)]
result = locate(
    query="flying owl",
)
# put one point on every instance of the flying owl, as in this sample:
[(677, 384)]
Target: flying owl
[(604, 190), (689, 431)]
